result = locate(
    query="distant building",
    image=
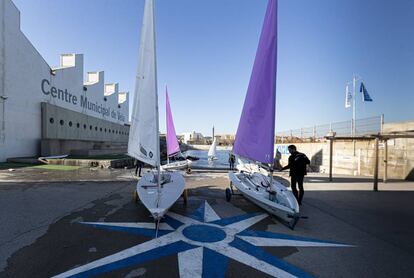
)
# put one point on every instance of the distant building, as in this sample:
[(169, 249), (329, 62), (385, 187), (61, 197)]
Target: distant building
[(193, 138), (225, 139), (208, 139)]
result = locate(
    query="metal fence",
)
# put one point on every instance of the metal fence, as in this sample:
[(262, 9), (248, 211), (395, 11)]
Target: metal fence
[(366, 126)]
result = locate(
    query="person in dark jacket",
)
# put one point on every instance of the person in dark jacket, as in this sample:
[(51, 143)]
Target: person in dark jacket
[(297, 165), (232, 160), (138, 167)]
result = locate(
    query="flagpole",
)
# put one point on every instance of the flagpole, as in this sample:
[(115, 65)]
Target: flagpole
[(353, 106), (354, 80)]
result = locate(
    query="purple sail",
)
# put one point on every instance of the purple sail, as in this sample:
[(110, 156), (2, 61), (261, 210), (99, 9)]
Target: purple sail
[(256, 131), (172, 143)]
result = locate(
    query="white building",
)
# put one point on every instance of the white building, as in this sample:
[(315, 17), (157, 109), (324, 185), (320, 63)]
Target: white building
[(93, 111), (192, 137)]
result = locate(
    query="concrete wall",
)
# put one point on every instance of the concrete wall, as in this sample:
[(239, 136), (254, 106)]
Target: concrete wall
[(61, 123), (345, 161), (406, 126), (2, 75), (23, 70), (26, 80), (123, 104)]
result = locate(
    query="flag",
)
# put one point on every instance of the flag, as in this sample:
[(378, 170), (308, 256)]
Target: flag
[(348, 97), (365, 95)]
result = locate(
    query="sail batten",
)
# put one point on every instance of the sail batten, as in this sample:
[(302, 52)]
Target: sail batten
[(143, 143), (172, 142), (256, 130)]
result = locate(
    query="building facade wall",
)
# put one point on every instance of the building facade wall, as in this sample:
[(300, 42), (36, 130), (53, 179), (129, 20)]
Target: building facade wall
[(65, 124), (26, 80)]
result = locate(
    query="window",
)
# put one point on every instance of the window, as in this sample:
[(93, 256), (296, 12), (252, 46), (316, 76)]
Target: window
[(77, 125), (70, 123), (51, 120), (84, 126), (62, 122)]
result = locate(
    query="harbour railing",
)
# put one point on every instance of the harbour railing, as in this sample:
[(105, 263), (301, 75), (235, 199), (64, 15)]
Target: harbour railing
[(365, 126)]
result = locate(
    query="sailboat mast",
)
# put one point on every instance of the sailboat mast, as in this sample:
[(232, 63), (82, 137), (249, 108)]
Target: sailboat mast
[(157, 122)]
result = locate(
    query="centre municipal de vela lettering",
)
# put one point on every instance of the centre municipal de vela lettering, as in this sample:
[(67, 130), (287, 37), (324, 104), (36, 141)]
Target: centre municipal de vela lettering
[(64, 95)]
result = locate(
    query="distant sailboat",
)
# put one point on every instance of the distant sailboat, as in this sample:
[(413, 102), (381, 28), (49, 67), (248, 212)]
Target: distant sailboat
[(255, 135), (173, 148), (157, 190), (212, 151)]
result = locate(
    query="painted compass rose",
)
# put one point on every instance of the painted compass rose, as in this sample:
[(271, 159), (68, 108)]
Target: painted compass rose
[(203, 242)]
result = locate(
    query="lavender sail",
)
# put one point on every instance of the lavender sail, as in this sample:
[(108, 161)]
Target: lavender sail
[(256, 131), (172, 143)]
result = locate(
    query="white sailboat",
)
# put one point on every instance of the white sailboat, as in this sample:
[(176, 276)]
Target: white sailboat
[(212, 151), (255, 134), (157, 190), (173, 148)]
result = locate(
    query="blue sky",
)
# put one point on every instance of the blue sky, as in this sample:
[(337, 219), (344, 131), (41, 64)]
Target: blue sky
[(206, 49)]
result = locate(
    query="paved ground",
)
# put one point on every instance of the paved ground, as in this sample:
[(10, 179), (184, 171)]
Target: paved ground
[(41, 234)]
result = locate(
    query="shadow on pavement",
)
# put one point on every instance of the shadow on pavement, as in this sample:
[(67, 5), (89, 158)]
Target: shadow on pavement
[(319, 179)]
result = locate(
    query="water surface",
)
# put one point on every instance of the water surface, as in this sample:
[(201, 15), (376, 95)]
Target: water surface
[(221, 161)]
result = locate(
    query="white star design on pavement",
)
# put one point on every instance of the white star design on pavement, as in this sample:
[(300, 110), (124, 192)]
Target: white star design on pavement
[(203, 242)]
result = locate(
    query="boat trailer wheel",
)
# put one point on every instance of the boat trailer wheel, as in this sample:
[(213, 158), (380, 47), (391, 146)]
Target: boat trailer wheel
[(228, 194)]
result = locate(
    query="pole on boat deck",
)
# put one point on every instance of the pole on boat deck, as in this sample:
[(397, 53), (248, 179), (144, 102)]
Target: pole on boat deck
[(271, 176), (385, 161), (330, 157), (376, 164)]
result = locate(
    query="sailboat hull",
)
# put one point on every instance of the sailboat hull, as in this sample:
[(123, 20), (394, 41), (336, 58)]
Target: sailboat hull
[(282, 204), (211, 158), (178, 165), (172, 187)]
